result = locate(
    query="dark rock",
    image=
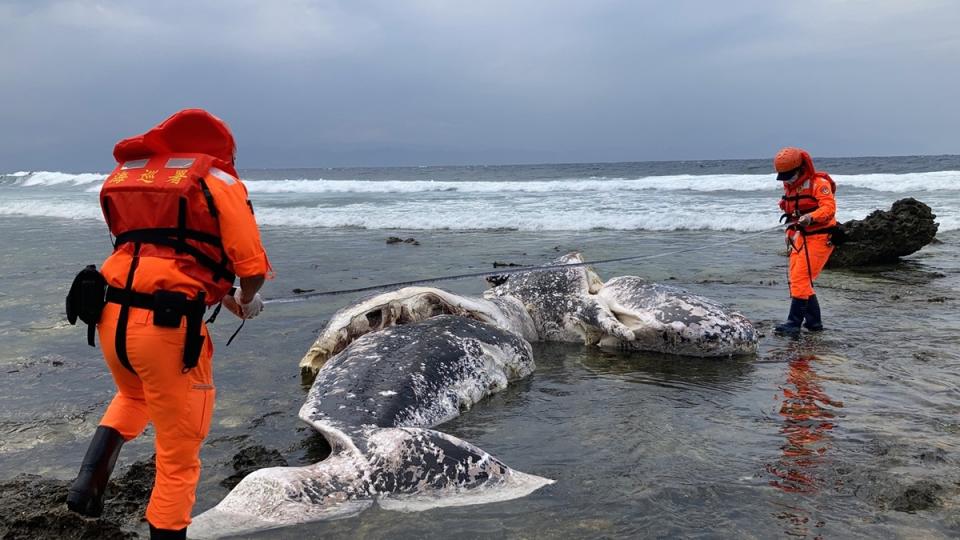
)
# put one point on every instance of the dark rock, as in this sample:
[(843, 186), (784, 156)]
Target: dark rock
[(885, 236), (921, 495), (298, 290), (32, 506), (252, 458), (498, 264), (932, 456), (398, 240), (316, 448), (497, 280)]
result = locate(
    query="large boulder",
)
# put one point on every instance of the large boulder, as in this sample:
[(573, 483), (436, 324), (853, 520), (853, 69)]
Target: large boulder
[(885, 236)]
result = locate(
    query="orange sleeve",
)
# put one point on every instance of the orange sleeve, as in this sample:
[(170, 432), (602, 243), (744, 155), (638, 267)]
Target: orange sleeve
[(827, 205), (238, 227)]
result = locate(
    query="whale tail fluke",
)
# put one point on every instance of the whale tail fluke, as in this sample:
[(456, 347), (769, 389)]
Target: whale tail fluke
[(282, 496), (417, 469), (402, 469)]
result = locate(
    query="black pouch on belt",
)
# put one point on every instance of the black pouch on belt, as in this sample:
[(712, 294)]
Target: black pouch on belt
[(838, 236), (86, 299), (169, 307), (194, 339)]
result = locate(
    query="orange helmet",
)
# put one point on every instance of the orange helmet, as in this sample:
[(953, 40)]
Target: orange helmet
[(788, 159)]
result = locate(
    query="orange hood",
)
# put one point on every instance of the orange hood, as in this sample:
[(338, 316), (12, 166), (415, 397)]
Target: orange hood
[(190, 131)]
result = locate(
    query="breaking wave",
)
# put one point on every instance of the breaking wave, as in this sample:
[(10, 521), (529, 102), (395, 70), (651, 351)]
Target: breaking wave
[(891, 183), (656, 203), (894, 183)]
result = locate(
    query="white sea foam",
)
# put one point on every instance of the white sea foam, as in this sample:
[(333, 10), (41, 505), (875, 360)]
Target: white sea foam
[(893, 183), (749, 217), (81, 210), (54, 178), (902, 183), (548, 215), (657, 203)]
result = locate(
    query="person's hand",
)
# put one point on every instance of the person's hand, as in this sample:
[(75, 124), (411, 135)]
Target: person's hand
[(243, 310), (786, 240), (805, 220), (230, 303)]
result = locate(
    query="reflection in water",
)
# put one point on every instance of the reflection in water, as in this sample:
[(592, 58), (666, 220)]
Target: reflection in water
[(806, 426), (807, 423)]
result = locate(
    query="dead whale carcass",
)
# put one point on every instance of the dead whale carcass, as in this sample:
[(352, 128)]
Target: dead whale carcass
[(557, 304), (405, 306), (672, 320), (374, 403)]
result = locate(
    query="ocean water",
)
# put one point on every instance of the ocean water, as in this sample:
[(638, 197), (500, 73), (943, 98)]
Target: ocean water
[(850, 433)]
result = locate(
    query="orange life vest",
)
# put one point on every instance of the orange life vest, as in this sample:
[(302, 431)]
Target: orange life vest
[(799, 199), (160, 206)]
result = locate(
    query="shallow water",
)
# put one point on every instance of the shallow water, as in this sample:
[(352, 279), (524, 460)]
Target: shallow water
[(818, 437)]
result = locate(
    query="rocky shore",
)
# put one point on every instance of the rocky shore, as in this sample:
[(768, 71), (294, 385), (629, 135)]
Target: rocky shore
[(33, 507)]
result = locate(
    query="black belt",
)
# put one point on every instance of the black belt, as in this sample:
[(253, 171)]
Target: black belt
[(143, 300), (165, 313), (805, 232)]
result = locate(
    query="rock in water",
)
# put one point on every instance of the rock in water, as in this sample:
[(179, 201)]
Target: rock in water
[(885, 236)]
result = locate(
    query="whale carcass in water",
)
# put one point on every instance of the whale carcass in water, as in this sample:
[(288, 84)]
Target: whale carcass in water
[(671, 320), (560, 304), (554, 305), (410, 305), (374, 402)]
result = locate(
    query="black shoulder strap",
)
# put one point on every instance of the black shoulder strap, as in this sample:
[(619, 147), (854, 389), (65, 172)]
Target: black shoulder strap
[(120, 342), (171, 237), (209, 197)]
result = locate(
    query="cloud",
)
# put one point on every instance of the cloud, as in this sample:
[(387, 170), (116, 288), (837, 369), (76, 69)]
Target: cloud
[(329, 82)]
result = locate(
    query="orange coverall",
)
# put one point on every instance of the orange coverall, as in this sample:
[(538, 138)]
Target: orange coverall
[(810, 251), (179, 404)]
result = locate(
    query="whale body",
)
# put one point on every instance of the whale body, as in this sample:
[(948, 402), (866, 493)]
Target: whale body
[(375, 402), (672, 320), (558, 304)]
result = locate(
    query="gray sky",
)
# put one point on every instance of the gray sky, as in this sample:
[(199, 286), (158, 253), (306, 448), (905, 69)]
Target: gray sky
[(329, 83)]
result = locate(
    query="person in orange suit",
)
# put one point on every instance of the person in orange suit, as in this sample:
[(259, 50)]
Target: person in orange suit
[(809, 208), (184, 231)]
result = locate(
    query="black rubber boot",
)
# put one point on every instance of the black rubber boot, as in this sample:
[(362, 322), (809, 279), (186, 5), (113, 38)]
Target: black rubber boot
[(798, 308), (86, 493), (167, 534), (813, 322)]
